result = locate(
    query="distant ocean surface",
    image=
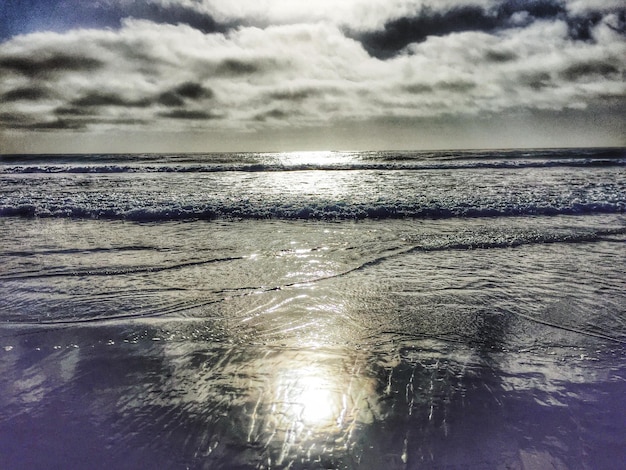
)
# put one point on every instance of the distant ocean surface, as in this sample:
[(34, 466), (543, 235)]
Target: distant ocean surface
[(315, 185), (457, 309)]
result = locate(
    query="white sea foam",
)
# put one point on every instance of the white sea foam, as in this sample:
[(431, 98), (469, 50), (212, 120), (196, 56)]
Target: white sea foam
[(341, 186)]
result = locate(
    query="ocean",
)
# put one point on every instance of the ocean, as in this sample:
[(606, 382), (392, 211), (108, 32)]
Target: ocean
[(344, 310)]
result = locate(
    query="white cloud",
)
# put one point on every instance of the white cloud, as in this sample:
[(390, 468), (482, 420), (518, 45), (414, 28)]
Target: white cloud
[(583, 6), (168, 77), (361, 15)]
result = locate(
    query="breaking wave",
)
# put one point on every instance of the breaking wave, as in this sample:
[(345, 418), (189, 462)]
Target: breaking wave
[(314, 186), (263, 167), (306, 211)]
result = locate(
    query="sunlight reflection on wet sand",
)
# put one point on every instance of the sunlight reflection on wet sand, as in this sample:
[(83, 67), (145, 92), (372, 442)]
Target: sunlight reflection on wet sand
[(396, 403), (298, 357)]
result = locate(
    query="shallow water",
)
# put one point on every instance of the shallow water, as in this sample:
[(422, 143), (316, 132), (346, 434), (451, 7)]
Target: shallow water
[(275, 344), (396, 342)]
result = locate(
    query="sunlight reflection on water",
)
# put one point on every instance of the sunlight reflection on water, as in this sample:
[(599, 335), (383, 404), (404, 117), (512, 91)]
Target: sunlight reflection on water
[(415, 351), (311, 395)]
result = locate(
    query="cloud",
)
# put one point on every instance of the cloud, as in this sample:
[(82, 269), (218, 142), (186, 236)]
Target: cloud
[(356, 15), (41, 66), (157, 76), (96, 98), (19, 121), (401, 22), (192, 90), (581, 7), (189, 115), (26, 94), (494, 18), (398, 33), (28, 16)]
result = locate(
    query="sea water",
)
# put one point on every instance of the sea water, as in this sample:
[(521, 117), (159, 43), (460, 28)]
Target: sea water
[(314, 310)]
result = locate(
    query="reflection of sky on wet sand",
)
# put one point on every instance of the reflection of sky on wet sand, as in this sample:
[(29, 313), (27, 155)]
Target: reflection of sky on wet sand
[(290, 401), (395, 403), (260, 363), (312, 399)]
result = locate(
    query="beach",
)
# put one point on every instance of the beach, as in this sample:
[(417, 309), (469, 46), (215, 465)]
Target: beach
[(458, 309)]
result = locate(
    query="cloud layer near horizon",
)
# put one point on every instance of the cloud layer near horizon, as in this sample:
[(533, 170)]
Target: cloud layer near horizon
[(282, 63)]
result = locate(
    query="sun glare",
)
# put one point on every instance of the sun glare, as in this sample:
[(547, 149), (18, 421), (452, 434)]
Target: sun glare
[(309, 396), (314, 158)]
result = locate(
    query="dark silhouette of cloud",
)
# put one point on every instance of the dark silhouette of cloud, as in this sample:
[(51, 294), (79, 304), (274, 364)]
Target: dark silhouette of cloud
[(535, 81), (170, 99), (109, 99), (500, 56), (535, 8), (299, 94), (277, 114), (172, 14), (59, 124), (20, 121), (186, 91), (39, 67), (189, 115), (590, 69), (234, 67), (193, 91), (418, 88), (458, 86), (398, 33), (26, 94), (73, 111)]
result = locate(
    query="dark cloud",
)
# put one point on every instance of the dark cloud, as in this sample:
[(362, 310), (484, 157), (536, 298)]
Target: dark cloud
[(170, 99), (35, 67), (73, 111), (59, 124), (193, 91), (418, 88), (234, 67), (8, 119), (580, 27), (298, 94), (109, 99), (188, 90), (398, 33), (26, 94), (457, 86), (277, 114), (590, 69), (189, 115), (69, 124), (453, 86), (536, 80), (536, 8), (172, 14), (24, 122), (500, 56), (27, 16)]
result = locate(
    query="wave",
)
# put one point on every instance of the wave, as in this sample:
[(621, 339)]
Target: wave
[(310, 210), (113, 271), (474, 241), (396, 165)]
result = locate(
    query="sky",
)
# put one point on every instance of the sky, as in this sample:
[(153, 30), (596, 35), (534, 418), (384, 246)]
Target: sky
[(81, 76)]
